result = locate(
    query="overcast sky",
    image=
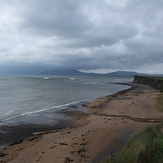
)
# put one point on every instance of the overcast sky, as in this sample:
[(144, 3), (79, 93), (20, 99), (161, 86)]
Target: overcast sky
[(96, 35)]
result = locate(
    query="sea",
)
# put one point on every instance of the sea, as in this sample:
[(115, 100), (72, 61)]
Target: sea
[(26, 95)]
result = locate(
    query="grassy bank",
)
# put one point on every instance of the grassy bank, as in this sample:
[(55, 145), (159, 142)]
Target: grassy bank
[(146, 147), (155, 77), (159, 103)]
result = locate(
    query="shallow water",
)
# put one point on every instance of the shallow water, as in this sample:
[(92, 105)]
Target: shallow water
[(21, 95)]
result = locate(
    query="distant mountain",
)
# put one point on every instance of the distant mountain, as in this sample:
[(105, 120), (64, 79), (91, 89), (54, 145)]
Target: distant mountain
[(62, 72), (73, 72), (67, 72), (123, 74)]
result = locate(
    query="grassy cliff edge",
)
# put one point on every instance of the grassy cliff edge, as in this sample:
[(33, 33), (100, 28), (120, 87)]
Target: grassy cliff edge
[(156, 82), (145, 147)]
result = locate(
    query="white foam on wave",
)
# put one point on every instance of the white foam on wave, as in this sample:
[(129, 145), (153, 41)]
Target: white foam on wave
[(57, 108), (72, 78), (46, 78)]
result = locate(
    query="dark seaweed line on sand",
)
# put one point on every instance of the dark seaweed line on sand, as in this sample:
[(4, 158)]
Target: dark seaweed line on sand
[(134, 119)]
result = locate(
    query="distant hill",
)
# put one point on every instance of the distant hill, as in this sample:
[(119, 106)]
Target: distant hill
[(67, 72), (73, 72), (62, 72), (123, 74)]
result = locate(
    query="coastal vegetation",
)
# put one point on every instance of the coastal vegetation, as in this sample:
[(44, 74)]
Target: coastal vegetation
[(155, 77), (159, 102), (145, 147)]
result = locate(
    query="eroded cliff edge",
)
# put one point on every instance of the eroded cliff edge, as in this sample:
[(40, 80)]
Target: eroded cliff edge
[(156, 82)]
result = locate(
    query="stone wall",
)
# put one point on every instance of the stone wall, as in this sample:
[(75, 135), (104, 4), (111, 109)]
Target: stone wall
[(154, 82)]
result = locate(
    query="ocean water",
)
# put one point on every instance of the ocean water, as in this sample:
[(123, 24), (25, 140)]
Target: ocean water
[(21, 95)]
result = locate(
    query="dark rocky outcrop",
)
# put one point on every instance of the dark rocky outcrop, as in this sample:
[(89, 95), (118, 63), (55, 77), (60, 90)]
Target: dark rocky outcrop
[(149, 80)]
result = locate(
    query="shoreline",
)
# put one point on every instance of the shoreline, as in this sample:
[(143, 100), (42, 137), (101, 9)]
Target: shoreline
[(92, 136), (36, 122)]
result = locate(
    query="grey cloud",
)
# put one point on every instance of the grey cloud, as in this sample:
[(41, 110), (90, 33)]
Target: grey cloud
[(63, 18), (79, 34), (69, 19)]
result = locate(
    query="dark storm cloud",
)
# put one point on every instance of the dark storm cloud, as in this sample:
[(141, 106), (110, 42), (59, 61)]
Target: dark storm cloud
[(79, 34), (75, 19), (63, 18)]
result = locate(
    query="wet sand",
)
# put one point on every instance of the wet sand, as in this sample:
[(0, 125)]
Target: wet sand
[(92, 136)]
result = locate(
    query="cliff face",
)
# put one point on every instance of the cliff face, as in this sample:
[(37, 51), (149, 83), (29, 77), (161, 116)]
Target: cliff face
[(152, 81)]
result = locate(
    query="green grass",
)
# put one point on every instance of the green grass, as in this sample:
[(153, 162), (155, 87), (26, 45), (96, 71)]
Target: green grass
[(146, 147), (159, 102), (159, 78), (155, 77)]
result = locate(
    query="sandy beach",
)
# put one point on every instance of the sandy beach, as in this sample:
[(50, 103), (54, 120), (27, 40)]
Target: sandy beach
[(109, 124)]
